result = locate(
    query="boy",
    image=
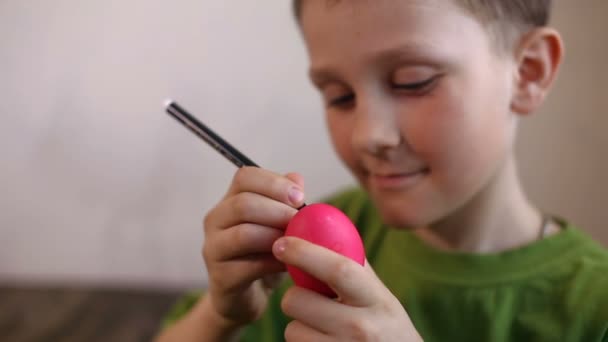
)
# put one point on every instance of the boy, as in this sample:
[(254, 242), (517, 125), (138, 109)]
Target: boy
[(423, 99)]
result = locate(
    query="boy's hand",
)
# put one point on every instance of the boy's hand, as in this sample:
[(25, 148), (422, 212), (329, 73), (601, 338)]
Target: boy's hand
[(239, 233), (365, 310)]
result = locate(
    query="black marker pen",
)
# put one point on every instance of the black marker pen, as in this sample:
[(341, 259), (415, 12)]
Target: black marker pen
[(210, 137)]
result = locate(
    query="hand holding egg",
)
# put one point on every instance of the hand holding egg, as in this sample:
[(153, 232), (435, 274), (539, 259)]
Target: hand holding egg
[(324, 256)]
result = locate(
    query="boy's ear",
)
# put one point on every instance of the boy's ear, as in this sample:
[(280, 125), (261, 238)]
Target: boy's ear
[(538, 56)]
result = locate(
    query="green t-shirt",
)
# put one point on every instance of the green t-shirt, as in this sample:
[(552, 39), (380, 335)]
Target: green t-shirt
[(555, 289)]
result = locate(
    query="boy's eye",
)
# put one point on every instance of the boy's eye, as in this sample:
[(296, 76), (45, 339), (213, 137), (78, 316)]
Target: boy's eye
[(342, 100), (415, 87), (337, 94)]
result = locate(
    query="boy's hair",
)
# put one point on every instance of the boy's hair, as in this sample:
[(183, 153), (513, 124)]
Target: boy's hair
[(506, 19)]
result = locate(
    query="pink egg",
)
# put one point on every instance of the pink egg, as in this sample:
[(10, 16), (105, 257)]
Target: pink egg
[(327, 226)]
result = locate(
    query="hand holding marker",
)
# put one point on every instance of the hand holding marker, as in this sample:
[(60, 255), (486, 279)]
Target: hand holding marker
[(319, 223)]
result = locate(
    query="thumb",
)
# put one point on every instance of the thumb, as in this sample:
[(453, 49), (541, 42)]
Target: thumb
[(368, 268)]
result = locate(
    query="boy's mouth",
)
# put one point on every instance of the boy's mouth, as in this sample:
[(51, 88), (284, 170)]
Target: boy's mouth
[(396, 180)]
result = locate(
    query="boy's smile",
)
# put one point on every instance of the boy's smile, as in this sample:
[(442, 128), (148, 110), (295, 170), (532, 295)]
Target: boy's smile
[(396, 180), (419, 112)]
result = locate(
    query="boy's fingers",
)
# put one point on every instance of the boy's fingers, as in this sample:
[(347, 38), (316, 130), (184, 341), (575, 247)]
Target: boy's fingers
[(298, 331), (239, 273), (249, 207), (368, 268), (296, 178), (312, 309), (273, 280), (240, 240), (268, 184), (351, 282)]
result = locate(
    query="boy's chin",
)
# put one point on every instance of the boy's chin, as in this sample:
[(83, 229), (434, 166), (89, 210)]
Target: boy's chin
[(402, 212)]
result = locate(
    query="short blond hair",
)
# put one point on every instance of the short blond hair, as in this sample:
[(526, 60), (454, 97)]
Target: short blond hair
[(505, 18)]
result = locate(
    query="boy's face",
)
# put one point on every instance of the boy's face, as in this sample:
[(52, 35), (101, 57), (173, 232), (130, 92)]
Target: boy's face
[(417, 101)]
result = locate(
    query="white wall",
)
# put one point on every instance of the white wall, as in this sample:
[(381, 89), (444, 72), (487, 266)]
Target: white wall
[(564, 149), (99, 185)]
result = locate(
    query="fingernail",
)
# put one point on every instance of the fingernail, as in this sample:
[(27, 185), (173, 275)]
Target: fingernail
[(295, 195), (279, 246)]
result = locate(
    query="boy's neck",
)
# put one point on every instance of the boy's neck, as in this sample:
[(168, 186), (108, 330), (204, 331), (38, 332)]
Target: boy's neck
[(498, 218)]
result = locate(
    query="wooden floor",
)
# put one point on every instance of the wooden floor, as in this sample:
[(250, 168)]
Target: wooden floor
[(38, 314)]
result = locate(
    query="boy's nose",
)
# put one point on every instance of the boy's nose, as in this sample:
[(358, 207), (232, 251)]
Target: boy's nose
[(376, 128)]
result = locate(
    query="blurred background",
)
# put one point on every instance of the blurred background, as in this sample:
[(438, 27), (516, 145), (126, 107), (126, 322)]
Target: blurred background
[(100, 188)]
